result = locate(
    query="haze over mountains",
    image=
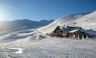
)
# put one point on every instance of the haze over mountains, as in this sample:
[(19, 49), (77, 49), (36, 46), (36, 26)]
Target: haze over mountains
[(9, 26)]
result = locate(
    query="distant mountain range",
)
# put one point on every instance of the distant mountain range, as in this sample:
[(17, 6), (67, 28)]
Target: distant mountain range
[(85, 20), (9, 26)]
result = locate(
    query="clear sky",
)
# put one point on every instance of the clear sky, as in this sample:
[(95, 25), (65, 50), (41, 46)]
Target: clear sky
[(43, 9)]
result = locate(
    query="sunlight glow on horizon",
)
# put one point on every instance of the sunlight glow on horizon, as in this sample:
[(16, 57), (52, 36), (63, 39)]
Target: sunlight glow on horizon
[(4, 13), (7, 12)]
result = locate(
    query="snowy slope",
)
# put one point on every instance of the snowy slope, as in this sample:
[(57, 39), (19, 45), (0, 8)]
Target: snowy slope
[(49, 28), (72, 17), (88, 21), (15, 25), (61, 22), (49, 47), (85, 20), (37, 45), (45, 47)]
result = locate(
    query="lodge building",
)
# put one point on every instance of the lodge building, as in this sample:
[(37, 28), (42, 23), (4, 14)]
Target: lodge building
[(70, 32)]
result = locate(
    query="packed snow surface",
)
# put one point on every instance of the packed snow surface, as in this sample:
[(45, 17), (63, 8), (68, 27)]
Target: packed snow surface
[(35, 45)]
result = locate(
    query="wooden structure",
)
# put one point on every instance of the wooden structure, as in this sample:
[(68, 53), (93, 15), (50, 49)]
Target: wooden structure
[(70, 32)]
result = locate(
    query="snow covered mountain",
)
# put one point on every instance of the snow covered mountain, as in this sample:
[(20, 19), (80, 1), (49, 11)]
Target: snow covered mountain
[(88, 21), (73, 17), (35, 44), (10, 26), (84, 20)]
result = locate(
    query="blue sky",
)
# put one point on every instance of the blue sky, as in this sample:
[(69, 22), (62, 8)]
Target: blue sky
[(43, 9)]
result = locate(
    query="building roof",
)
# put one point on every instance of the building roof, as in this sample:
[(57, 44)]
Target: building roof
[(65, 29)]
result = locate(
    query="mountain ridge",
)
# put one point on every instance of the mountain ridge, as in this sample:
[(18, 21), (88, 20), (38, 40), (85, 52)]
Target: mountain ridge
[(21, 24), (71, 22)]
